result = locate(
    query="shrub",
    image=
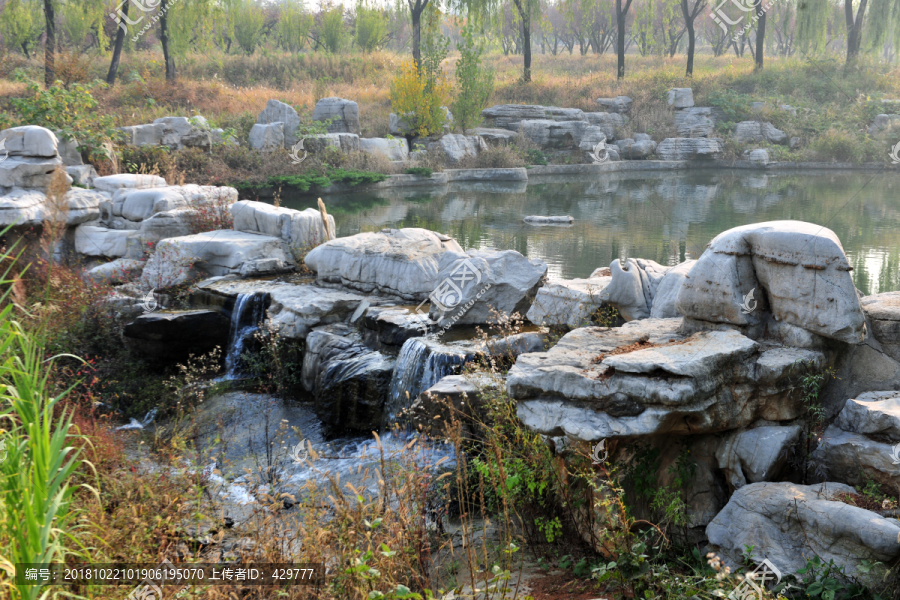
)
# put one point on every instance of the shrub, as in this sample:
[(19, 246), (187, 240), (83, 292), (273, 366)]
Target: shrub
[(420, 171), (475, 82), (419, 104), (533, 156), (210, 215), (499, 157)]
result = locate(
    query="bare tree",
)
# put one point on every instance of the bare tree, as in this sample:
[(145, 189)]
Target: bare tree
[(690, 13)]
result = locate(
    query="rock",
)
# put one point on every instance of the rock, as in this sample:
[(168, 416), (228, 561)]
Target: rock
[(401, 263), (267, 138), (27, 208), (680, 97), (296, 309), (69, 153), (298, 229), (456, 397), (390, 327), (181, 132), (279, 112), (608, 122), (643, 288), (508, 116), (750, 132), (93, 240), (349, 381), (630, 149), (646, 378), (794, 143), (392, 149), (511, 346), (30, 140), (83, 205), (760, 156), (142, 203), (82, 175), (619, 104), (483, 286), (789, 109), (689, 148), (344, 115), (884, 122), (568, 302), (169, 224), (112, 183), (757, 107), (613, 153), (173, 335), (262, 267), (548, 133), (539, 219), (117, 271), (27, 171), (180, 259), (494, 136), (800, 267), (143, 135), (883, 312), (699, 121), (345, 142), (788, 524), (755, 455), (455, 147)]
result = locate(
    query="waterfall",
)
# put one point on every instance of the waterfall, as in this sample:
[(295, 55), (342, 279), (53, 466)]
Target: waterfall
[(422, 363), (249, 310)]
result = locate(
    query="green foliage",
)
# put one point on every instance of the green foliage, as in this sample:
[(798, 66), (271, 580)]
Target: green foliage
[(533, 156), (21, 24), (420, 171), (735, 105), (475, 82), (293, 27), (333, 31), (306, 181), (827, 581), (371, 27), (248, 19), (70, 112)]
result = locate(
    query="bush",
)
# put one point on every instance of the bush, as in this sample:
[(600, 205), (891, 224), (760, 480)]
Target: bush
[(417, 102), (499, 157), (533, 156), (420, 171), (475, 82)]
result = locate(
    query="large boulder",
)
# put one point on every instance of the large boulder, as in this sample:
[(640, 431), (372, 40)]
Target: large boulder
[(294, 310), (28, 171), (455, 148), (174, 132), (689, 149), (553, 134), (181, 259), (401, 263), (630, 149), (884, 122), (94, 240), (29, 140), (267, 137), (28, 207), (748, 132), (483, 286), (509, 116), (680, 98), (647, 378), (345, 142), (390, 327), (391, 149), (609, 122), (142, 203), (174, 335), (883, 312), (495, 136), (279, 112), (798, 269), (112, 183), (299, 229), (788, 524), (642, 288), (698, 121), (619, 104), (344, 115), (569, 303)]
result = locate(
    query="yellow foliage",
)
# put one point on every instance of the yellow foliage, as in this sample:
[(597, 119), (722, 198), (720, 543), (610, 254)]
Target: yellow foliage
[(420, 102)]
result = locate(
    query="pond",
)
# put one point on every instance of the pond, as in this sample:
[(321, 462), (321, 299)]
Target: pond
[(666, 217)]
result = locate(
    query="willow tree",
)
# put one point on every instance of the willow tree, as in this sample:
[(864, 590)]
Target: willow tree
[(293, 27), (874, 20), (188, 24), (487, 11), (20, 25)]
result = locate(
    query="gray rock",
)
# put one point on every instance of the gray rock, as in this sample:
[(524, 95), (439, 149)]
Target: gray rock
[(788, 524), (875, 414), (508, 116), (299, 229), (801, 267), (27, 208), (69, 153), (609, 122), (548, 133), (855, 459), (344, 115), (794, 143), (401, 263), (27, 171), (454, 147), (280, 112), (757, 107), (495, 137), (117, 271), (760, 156), (642, 288), (345, 142), (82, 175), (698, 121), (30, 140), (749, 132), (267, 138), (884, 122), (619, 104), (789, 109), (482, 286), (174, 335), (883, 312), (756, 455), (263, 267), (567, 302), (144, 135), (142, 203), (680, 98), (112, 183), (689, 149), (181, 132), (93, 240), (630, 149), (390, 327), (393, 149), (296, 309), (454, 397), (349, 381)]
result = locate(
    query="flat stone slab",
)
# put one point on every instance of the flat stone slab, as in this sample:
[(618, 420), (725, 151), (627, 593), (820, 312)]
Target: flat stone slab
[(112, 183), (569, 302), (872, 413), (296, 309)]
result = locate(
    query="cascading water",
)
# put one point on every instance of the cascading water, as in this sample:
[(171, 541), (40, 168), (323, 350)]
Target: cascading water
[(249, 310)]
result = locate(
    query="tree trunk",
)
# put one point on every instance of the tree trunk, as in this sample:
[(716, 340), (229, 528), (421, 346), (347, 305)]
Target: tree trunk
[(689, 72), (164, 39), (760, 37), (854, 28), (621, 13), (25, 50), (525, 14), (117, 49), (415, 11), (50, 47)]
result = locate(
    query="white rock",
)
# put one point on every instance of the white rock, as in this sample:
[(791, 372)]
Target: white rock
[(113, 183), (872, 413), (801, 267), (759, 156), (508, 116), (28, 172), (82, 175), (280, 112), (30, 140), (495, 136), (121, 270), (548, 133), (567, 302), (392, 149), (619, 104), (699, 121), (140, 204), (344, 114), (609, 122), (538, 219), (181, 132), (680, 97), (296, 309), (455, 147), (94, 240), (747, 132), (631, 149), (755, 455), (689, 148), (643, 288), (150, 134), (23, 207), (484, 286), (883, 311), (299, 229), (788, 524), (267, 138), (345, 142), (854, 458)]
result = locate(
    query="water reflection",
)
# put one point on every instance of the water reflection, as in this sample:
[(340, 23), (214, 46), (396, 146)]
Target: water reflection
[(663, 216)]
